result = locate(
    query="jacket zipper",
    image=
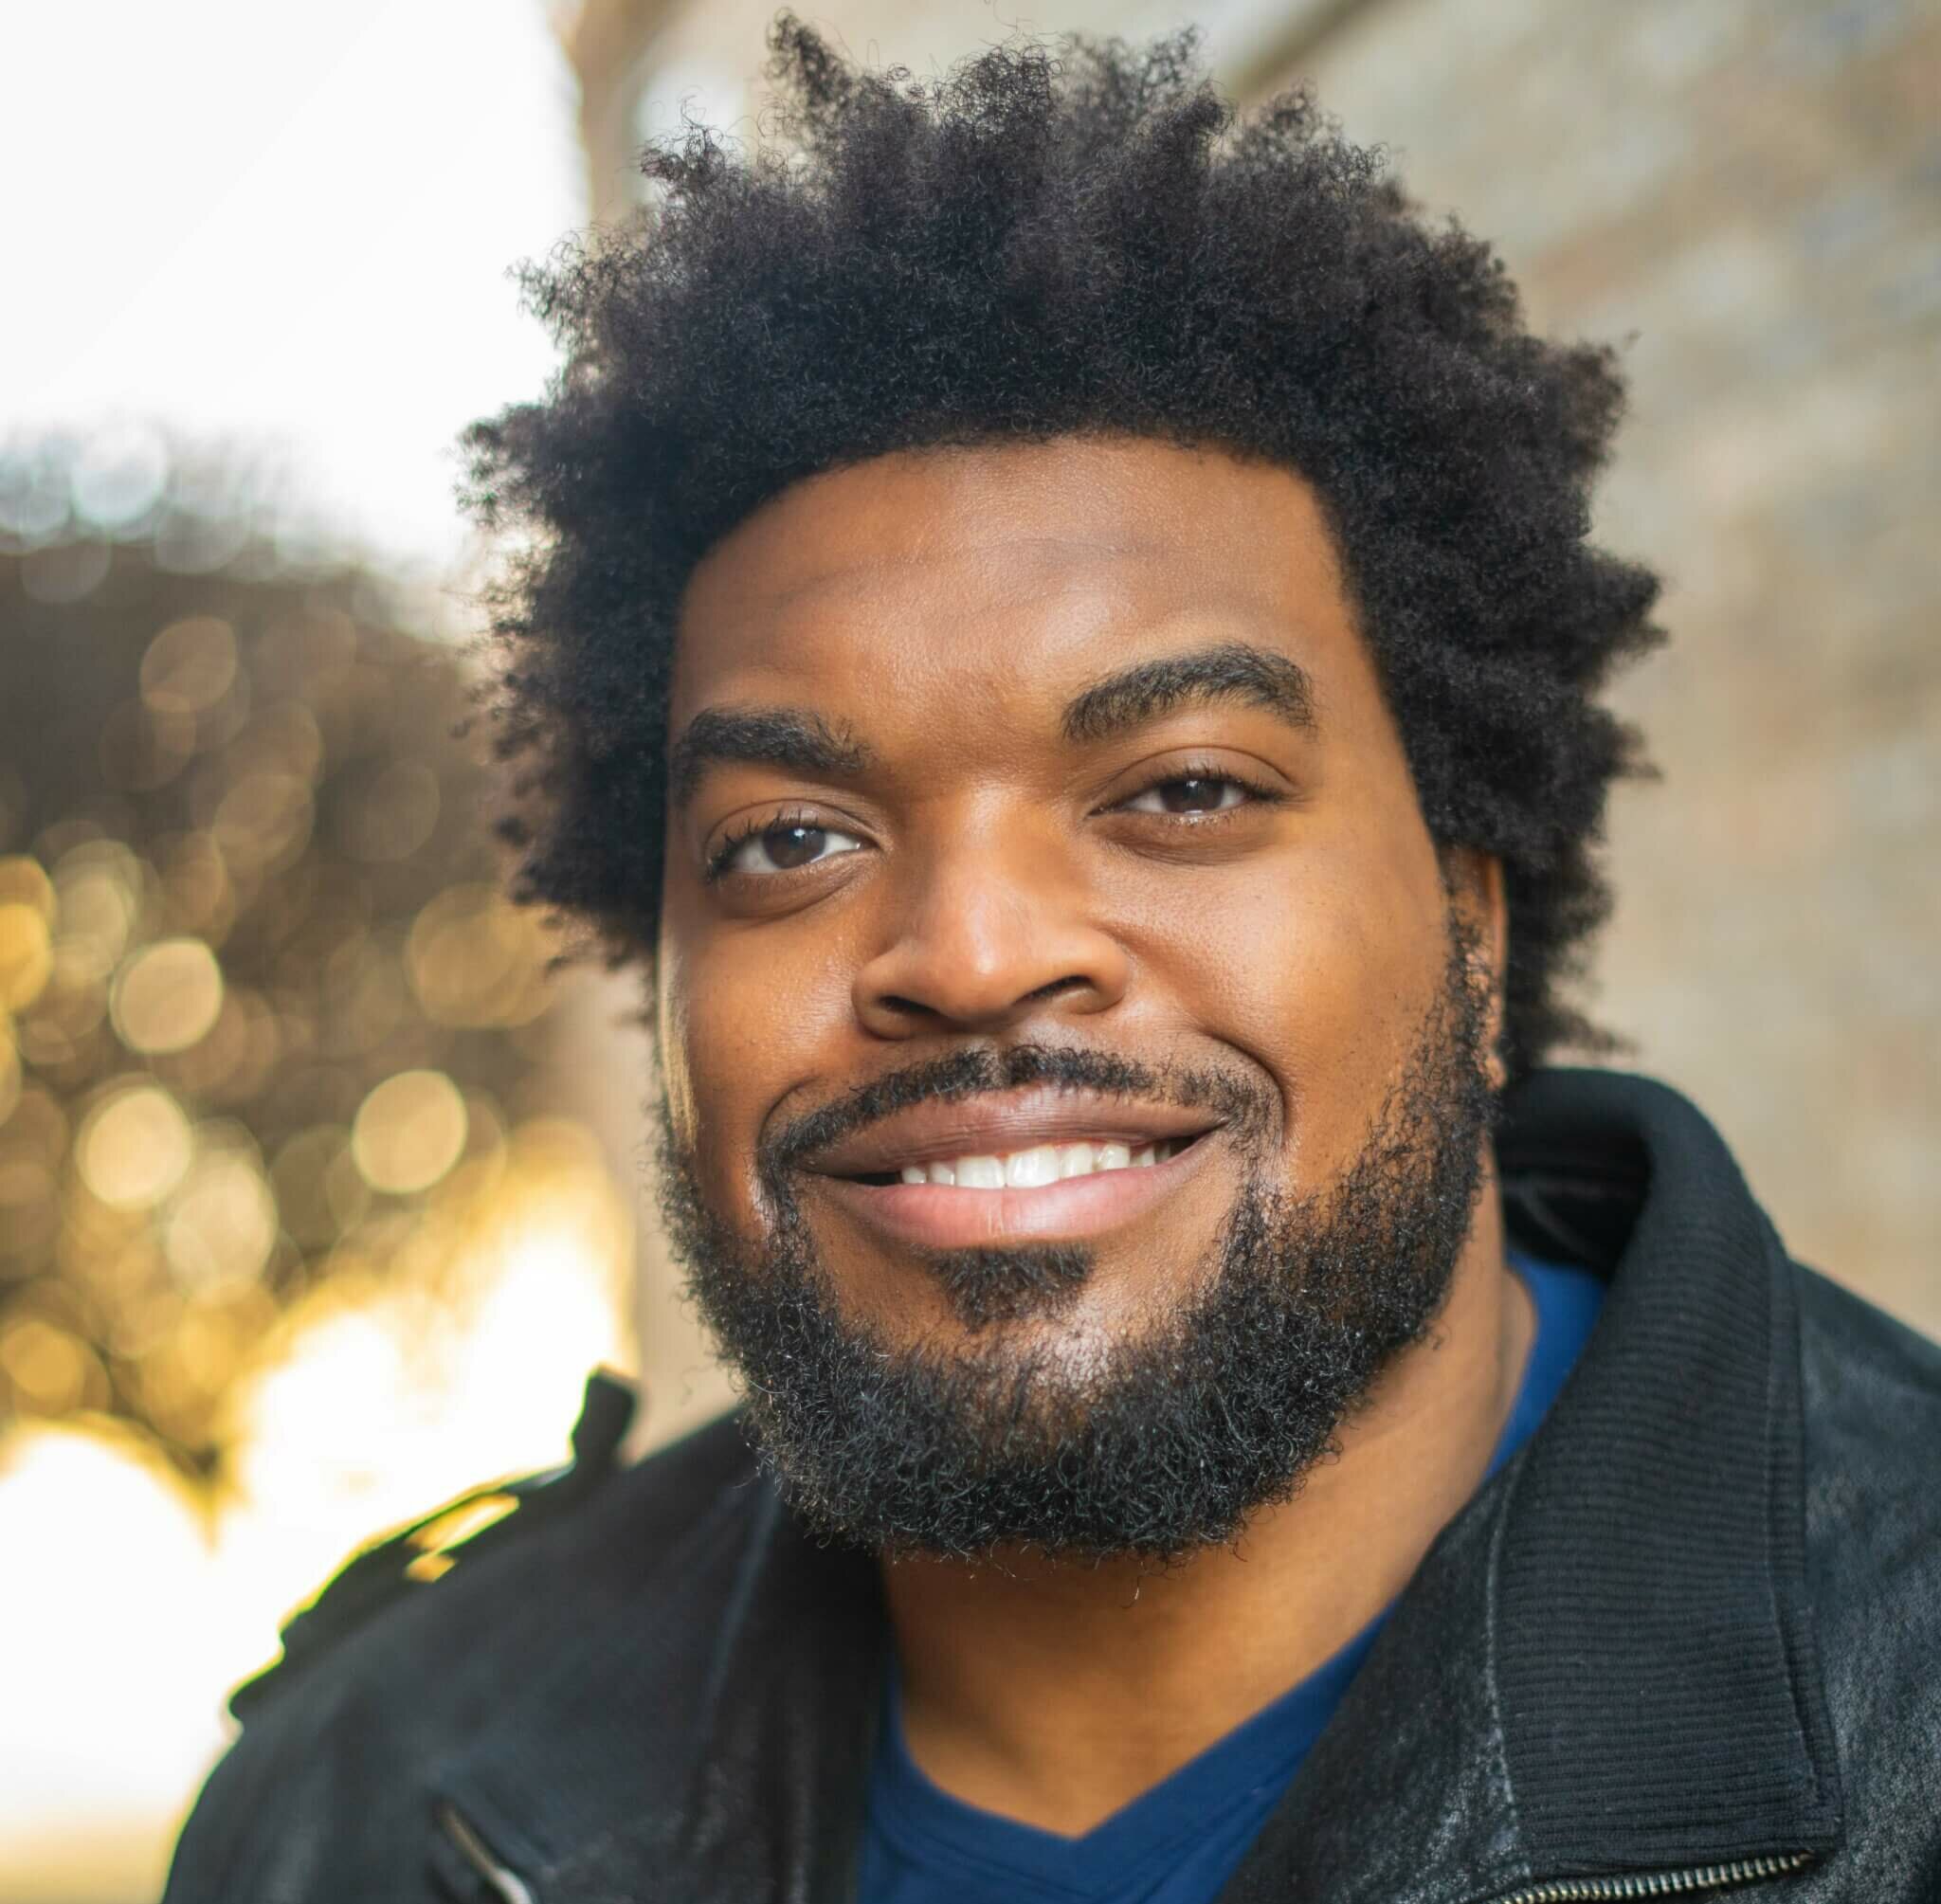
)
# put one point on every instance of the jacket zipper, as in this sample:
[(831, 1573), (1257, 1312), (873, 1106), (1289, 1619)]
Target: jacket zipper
[(506, 1886), (510, 1889), (1658, 1883)]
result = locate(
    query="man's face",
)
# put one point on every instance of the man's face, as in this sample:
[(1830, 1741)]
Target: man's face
[(1052, 946)]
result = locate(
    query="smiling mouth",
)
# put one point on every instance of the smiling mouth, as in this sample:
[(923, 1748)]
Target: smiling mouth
[(1007, 1199), (1033, 1168)]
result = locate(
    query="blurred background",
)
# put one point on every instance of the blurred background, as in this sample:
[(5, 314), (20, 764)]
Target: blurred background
[(319, 1192)]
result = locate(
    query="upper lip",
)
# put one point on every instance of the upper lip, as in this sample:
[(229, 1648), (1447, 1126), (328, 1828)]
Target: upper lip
[(1013, 1120)]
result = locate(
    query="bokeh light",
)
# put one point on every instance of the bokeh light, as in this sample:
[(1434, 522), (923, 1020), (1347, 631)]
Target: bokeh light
[(221, 1222), (150, 1581), (258, 983), (477, 959), (275, 1135), (24, 881), (168, 996), (27, 954), (134, 1146), (409, 1131)]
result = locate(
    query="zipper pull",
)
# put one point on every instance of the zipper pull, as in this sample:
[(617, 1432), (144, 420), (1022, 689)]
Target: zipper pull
[(507, 1886)]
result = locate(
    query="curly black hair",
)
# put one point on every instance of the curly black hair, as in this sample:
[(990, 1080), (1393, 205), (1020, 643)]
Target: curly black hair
[(1057, 238)]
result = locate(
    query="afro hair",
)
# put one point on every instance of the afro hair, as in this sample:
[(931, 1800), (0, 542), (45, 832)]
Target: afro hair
[(1058, 238)]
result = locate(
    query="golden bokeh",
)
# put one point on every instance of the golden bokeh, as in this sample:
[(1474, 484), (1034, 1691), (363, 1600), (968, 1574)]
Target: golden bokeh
[(24, 882), (167, 996), (321, 1193), (102, 889), (262, 822), (48, 1369), (62, 1034), (475, 958), (220, 1225), (190, 666), (409, 1131), (133, 1147), (234, 1059), (27, 954), (273, 1077)]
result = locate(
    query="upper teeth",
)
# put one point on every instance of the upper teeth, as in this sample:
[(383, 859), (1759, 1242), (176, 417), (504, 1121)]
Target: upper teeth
[(1046, 1164)]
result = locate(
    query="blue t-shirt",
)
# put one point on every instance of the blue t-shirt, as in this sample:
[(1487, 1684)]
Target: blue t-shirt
[(1179, 1842)]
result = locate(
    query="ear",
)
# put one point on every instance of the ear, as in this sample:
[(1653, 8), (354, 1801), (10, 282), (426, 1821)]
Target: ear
[(1475, 881)]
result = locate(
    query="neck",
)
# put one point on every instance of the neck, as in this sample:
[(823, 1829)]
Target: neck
[(1054, 1693)]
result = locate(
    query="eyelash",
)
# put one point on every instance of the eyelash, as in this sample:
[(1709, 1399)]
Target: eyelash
[(716, 868)]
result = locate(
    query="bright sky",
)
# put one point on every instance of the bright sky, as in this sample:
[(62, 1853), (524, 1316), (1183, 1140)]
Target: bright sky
[(285, 225)]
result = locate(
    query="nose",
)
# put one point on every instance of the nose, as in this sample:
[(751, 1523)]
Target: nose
[(988, 932)]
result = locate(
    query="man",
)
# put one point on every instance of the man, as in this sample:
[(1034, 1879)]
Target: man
[(1061, 632)]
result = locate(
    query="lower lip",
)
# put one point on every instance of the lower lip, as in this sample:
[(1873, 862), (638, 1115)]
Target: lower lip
[(941, 1216)]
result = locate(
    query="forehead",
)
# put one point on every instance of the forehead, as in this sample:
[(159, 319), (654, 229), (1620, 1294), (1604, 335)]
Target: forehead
[(923, 562)]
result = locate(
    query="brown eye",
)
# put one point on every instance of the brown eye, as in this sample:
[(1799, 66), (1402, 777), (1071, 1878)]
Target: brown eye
[(790, 846), (786, 849), (1190, 794)]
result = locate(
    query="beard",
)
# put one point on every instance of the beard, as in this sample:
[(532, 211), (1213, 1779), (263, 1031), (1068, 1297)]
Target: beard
[(1170, 1436)]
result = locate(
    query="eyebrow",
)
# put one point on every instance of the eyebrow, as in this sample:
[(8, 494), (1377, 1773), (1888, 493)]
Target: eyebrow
[(764, 736), (802, 742), (1230, 671)]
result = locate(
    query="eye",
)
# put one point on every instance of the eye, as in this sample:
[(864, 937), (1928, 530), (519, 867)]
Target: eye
[(785, 846), (1191, 793)]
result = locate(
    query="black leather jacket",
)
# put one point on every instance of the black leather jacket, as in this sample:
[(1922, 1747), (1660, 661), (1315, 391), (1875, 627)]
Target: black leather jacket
[(1689, 1639)]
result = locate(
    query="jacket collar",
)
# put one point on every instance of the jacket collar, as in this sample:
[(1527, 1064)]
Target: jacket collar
[(1604, 1665)]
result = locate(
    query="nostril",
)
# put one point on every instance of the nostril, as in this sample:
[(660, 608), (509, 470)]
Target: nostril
[(1056, 988)]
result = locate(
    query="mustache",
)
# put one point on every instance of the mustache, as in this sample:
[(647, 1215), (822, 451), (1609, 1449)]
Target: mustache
[(976, 1071)]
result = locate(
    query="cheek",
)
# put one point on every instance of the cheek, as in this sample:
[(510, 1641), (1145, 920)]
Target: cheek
[(744, 1019), (1320, 967)]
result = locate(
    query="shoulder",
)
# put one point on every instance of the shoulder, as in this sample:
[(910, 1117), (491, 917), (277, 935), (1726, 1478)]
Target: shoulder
[(1873, 1398), (394, 1663), (1872, 1391)]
